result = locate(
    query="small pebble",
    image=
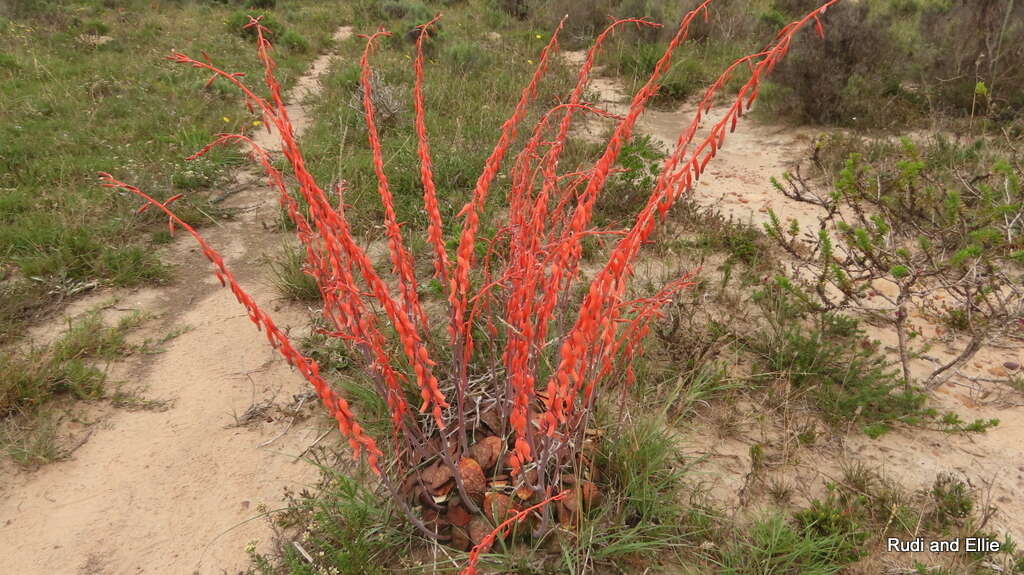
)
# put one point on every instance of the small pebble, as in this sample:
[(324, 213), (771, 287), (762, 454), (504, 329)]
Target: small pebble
[(1011, 365)]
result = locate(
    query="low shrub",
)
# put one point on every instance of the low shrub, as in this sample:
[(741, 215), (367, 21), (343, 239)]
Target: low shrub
[(892, 235)]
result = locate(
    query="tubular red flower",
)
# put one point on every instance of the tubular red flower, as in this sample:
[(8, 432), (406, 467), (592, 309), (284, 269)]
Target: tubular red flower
[(333, 272), (335, 405), (332, 225), (471, 211), (401, 259), (599, 309), (584, 336), (435, 229)]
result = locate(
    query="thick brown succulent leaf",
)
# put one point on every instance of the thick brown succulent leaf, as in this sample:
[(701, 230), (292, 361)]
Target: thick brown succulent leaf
[(435, 475), (478, 529), (492, 419), (441, 492), (501, 466), (410, 488), (434, 521), (486, 451), (524, 492), (460, 538), (457, 515), (566, 518), (426, 499), (591, 495), (572, 503), (498, 506), (473, 479), (435, 443)]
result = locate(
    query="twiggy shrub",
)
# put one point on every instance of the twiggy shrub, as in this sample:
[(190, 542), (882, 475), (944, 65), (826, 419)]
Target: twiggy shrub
[(499, 442), (898, 234)]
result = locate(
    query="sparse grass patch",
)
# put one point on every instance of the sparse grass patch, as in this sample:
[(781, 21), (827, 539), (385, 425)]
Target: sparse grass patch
[(31, 379), (88, 337), (37, 377), (842, 372), (638, 461), (20, 301), (28, 430), (346, 529), (846, 529), (32, 445), (290, 279), (135, 401), (85, 105), (772, 545)]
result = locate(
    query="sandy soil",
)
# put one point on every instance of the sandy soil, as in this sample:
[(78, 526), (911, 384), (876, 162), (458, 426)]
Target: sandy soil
[(737, 185), (178, 490)]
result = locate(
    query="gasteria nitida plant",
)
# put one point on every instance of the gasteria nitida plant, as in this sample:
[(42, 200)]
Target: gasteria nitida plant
[(504, 445)]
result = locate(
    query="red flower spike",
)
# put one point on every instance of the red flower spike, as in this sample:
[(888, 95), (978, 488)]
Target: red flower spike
[(435, 231), (335, 405), (601, 301)]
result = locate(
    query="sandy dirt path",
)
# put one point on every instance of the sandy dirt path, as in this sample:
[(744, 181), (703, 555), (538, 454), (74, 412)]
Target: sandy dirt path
[(177, 491), (737, 184)]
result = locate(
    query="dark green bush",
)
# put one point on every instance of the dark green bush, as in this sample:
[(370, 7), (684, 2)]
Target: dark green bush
[(519, 9), (851, 77), (885, 64), (968, 44)]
